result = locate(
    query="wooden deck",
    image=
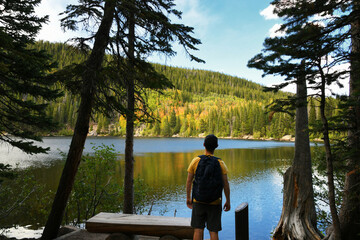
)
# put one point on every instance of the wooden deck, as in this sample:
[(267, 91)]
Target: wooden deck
[(140, 225)]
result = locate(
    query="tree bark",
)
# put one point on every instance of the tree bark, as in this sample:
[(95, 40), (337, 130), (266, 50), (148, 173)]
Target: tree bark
[(129, 141), (298, 217), (350, 208), (90, 78), (329, 160)]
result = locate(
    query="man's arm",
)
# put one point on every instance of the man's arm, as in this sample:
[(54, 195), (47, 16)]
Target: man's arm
[(189, 181), (226, 192)]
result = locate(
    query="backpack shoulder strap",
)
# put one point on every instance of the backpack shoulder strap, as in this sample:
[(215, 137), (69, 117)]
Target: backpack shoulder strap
[(208, 156)]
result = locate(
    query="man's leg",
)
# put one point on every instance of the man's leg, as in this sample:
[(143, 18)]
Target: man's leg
[(214, 221), (214, 235), (198, 218), (198, 234)]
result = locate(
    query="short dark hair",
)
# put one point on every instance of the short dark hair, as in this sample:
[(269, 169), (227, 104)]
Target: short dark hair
[(211, 142)]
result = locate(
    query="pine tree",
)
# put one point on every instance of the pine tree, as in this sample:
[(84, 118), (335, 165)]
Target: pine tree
[(297, 181), (177, 126), (90, 78), (288, 54), (172, 121), (25, 85), (184, 128), (202, 126), (157, 129), (166, 130), (312, 112), (130, 51), (323, 43)]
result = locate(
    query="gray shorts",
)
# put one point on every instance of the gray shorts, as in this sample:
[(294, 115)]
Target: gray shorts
[(206, 213)]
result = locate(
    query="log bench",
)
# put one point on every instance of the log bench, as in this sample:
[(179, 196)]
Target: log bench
[(140, 225)]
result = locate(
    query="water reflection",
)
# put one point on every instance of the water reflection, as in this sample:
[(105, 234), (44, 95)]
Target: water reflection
[(13, 156), (169, 169), (253, 175)]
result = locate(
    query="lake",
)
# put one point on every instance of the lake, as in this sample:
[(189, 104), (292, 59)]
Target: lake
[(254, 176)]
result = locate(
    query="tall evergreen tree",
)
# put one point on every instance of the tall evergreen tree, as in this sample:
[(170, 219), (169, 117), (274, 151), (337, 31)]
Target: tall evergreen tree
[(25, 86), (320, 32), (350, 208), (89, 79), (157, 35), (298, 218), (312, 112), (172, 120)]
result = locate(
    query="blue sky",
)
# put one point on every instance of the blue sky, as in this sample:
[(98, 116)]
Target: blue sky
[(231, 31)]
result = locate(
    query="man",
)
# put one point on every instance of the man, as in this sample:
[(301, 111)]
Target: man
[(207, 176)]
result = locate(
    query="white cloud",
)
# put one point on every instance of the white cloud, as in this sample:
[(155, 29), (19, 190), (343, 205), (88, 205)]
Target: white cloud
[(268, 13), (334, 88), (52, 31), (329, 91), (195, 15), (275, 32), (321, 20)]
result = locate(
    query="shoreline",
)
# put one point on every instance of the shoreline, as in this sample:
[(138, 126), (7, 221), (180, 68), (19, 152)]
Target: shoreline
[(286, 138)]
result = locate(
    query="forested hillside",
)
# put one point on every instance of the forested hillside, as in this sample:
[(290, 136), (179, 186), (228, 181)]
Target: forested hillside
[(200, 102)]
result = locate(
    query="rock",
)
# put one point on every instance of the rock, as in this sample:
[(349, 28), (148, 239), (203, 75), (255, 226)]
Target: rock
[(286, 138), (67, 229), (142, 237), (93, 133), (169, 237), (248, 137), (83, 235), (119, 236), (138, 131), (201, 135)]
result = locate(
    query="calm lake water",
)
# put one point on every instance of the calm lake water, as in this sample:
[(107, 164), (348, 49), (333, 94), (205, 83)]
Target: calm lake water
[(162, 162)]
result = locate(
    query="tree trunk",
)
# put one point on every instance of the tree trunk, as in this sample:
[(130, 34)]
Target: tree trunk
[(329, 161), (350, 209), (129, 142), (90, 77), (298, 217)]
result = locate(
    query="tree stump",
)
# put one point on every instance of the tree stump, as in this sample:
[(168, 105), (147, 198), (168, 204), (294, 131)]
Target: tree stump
[(298, 217)]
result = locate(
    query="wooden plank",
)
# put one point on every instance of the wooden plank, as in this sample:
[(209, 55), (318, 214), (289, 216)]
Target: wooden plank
[(140, 225)]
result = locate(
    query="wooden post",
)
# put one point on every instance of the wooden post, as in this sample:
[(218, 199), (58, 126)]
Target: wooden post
[(242, 222)]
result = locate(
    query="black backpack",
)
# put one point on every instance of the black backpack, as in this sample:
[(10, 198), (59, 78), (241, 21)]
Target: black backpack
[(208, 182)]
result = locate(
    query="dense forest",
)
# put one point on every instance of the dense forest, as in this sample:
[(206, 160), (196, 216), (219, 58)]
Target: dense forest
[(199, 102)]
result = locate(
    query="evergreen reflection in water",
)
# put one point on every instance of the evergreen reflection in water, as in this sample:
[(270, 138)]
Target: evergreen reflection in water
[(253, 175)]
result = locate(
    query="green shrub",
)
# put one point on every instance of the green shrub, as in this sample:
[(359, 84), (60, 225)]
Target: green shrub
[(95, 188)]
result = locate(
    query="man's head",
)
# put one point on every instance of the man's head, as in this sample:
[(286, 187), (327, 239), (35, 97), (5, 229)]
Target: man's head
[(211, 142)]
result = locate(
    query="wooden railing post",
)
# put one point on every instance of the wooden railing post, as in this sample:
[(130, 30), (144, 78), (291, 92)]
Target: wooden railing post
[(242, 222)]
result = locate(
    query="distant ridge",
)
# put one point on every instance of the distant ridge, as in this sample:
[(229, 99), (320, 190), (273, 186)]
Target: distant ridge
[(200, 102)]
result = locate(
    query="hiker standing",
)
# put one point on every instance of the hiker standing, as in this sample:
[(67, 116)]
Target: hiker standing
[(207, 176)]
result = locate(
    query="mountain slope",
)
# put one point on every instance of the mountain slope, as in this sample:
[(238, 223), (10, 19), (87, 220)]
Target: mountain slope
[(200, 102)]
